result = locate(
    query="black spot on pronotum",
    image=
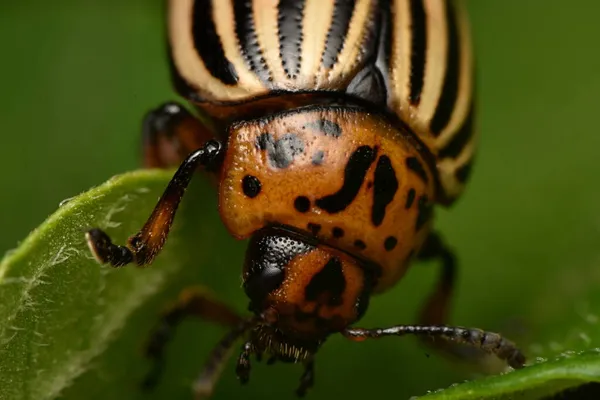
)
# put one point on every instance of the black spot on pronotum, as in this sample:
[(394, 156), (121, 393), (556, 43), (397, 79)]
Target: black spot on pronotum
[(385, 187), (425, 210), (329, 282), (354, 175), (390, 243), (281, 152), (264, 141), (415, 165), (286, 148), (314, 228), (251, 186), (410, 198), (329, 128), (302, 204), (317, 158), (337, 232), (359, 244), (208, 43)]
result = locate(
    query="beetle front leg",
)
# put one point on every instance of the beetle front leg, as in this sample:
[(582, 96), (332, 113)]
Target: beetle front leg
[(170, 133), (143, 247)]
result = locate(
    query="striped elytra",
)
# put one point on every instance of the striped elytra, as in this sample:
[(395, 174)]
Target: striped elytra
[(411, 57)]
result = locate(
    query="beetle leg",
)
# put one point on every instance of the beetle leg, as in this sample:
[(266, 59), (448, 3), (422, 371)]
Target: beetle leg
[(191, 302), (436, 310), (307, 380), (147, 243), (205, 383), (170, 133), (455, 340), (243, 367), (488, 342)]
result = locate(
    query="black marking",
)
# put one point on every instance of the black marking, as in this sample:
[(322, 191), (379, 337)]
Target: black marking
[(340, 23), (330, 282), (289, 25), (263, 141), (359, 244), (354, 175), (314, 228), (302, 204), (337, 232), (390, 243), (208, 44), (415, 165), (410, 198), (317, 158), (251, 186), (329, 128), (386, 186), (460, 138), (245, 30), (445, 106), (418, 46), (464, 171), (281, 152), (425, 211)]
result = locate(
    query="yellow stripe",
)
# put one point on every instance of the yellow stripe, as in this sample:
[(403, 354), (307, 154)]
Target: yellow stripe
[(224, 18), (265, 18), (349, 56), (465, 85), (435, 58), (317, 20), (399, 73)]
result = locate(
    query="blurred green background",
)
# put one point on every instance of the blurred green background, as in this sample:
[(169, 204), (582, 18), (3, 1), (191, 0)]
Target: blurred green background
[(77, 76)]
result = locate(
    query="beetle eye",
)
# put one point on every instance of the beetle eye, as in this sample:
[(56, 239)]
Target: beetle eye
[(269, 252)]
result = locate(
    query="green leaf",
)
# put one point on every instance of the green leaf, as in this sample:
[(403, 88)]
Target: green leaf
[(63, 316), (58, 308), (535, 381)]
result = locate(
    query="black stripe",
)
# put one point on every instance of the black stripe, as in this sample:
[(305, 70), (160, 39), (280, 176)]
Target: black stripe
[(327, 285), (249, 46), (336, 36), (464, 171), (445, 106), (208, 44), (460, 138), (385, 39), (354, 175), (384, 189), (289, 25), (418, 46)]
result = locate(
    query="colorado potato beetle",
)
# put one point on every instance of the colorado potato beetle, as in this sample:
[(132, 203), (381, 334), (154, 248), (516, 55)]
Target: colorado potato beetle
[(331, 129)]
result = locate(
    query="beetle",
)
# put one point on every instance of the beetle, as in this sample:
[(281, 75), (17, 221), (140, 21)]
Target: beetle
[(331, 129)]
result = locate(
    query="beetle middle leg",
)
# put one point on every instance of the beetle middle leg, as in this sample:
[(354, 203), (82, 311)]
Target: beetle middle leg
[(143, 247), (436, 310), (191, 302), (170, 133)]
